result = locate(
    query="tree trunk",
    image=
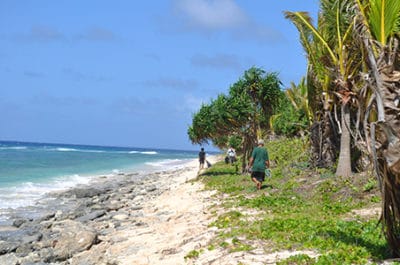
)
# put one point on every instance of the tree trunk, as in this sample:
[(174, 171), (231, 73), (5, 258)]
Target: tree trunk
[(386, 146), (344, 164)]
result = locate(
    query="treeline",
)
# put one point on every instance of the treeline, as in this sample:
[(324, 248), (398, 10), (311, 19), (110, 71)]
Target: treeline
[(351, 108), (255, 105)]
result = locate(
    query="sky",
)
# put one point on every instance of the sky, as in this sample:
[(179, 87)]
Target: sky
[(133, 73)]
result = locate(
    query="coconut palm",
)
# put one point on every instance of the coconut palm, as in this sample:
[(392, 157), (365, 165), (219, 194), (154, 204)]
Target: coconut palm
[(298, 97), (378, 24), (332, 65)]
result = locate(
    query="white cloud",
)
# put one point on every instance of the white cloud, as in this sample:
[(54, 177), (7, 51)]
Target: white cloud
[(33, 74), (190, 104), (40, 33), (98, 34), (174, 83), (220, 61), (211, 15), (80, 76)]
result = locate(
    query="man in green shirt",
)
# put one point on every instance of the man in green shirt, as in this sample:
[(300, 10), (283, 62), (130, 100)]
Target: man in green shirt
[(259, 161)]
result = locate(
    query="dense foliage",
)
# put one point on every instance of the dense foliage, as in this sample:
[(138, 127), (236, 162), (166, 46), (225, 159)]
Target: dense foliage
[(349, 103), (299, 208)]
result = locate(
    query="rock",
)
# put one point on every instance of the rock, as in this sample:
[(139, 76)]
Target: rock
[(7, 247), (113, 206), (23, 250), (74, 238), (31, 238), (47, 216), (86, 193), (91, 216), (9, 259), (46, 254), (120, 217), (150, 188), (18, 222)]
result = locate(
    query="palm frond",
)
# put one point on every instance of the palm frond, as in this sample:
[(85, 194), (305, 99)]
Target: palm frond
[(384, 19), (303, 23)]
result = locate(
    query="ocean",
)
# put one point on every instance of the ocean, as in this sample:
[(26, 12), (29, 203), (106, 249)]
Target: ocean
[(28, 171)]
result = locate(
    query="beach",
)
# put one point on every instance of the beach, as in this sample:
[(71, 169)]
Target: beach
[(154, 219)]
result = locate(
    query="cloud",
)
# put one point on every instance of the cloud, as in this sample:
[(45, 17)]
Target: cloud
[(153, 56), (46, 99), (49, 34), (210, 15), (79, 76), (142, 106), (174, 83), (191, 104), (219, 61), (41, 34), (97, 34), (33, 74), (214, 17)]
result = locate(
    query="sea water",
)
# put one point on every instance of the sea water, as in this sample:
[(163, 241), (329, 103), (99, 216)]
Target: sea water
[(28, 171)]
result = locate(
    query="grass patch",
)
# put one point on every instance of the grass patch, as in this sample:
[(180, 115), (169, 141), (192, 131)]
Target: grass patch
[(300, 208)]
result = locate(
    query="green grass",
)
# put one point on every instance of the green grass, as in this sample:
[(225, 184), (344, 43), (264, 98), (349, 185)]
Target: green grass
[(301, 208)]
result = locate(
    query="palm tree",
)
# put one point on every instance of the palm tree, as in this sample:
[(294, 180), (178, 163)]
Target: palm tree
[(334, 66), (298, 97), (378, 24)]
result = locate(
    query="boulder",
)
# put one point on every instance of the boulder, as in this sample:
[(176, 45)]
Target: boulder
[(91, 216), (74, 237)]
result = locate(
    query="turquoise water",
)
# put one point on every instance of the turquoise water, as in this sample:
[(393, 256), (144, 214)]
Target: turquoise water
[(30, 170)]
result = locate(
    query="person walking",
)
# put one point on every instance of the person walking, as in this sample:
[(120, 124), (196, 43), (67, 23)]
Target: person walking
[(259, 161), (202, 158), (231, 153)]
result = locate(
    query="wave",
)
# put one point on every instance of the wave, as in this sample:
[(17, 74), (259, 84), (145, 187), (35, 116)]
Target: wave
[(13, 148), (168, 163), (142, 152), (64, 149), (29, 193), (149, 153)]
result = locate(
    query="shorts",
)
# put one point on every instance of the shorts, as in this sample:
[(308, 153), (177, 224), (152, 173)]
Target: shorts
[(259, 176)]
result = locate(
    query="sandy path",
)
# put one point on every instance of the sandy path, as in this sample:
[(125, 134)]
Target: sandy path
[(175, 223)]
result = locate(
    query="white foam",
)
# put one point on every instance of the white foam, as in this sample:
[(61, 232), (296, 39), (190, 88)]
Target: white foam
[(63, 149), (168, 163), (141, 152), (29, 193), (14, 148), (149, 152)]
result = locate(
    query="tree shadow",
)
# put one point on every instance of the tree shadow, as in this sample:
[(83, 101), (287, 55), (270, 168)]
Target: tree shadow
[(378, 251), (264, 186), (217, 173)]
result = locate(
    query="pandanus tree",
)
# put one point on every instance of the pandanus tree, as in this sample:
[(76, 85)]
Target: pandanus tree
[(378, 28), (240, 113)]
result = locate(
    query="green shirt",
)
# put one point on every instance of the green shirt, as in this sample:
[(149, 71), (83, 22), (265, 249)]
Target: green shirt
[(259, 155)]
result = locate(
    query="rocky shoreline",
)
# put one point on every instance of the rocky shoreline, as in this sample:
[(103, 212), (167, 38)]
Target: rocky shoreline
[(84, 224)]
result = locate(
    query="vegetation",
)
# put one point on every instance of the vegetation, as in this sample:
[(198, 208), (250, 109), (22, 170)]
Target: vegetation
[(299, 208), (348, 103), (353, 66), (243, 114)]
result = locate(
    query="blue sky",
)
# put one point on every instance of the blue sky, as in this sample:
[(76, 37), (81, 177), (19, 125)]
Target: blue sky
[(132, 73)]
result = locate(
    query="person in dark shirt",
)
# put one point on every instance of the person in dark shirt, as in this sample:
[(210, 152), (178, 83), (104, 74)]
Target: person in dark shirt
[(202, 158), (259, 161)]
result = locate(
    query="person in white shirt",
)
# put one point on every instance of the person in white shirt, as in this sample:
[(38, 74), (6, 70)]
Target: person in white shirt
[(231, 155)]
